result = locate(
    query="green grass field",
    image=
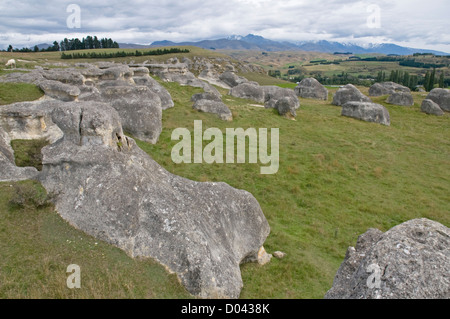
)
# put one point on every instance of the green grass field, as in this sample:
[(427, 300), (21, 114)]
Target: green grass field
[(338, 177)]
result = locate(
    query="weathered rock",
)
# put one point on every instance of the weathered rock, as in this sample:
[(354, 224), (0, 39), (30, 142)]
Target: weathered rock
[(206, 96), (66, 76), (385, 88), (286, 107), (215, 107), (23, 121), (28, 121), (59, 91), (139, 109), (310, 88), (33, 76), (349, 93), (441, 97), (106, 186), (279, 254), (413, 260), (272, 94), (429, 107), (154, 86), (249, 91), (231, 79), (369, 112), (401, 98)]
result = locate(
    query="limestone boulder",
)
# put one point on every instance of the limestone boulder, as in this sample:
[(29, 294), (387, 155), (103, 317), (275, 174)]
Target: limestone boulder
[(349, 93), (272, 94), (310, 88), (410, 261), (103, 184), (215, 107), (369, 112), (385, 88), (66, 76), (441, 97), (249, 91), (286, 107), (231, 79), (154, 86), (401, 98), (429, 107), (59, 91), (139, 109)]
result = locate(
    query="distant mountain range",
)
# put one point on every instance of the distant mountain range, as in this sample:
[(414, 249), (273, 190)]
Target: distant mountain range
[(255, 42)]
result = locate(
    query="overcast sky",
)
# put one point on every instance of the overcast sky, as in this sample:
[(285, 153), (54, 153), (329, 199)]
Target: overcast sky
[(413, 23)]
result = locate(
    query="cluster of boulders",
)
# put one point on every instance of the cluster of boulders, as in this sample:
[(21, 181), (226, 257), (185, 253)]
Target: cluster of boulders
[(284, 100), (356, 105), (104, 184), (410, 261), (137, 97), (398, 94)]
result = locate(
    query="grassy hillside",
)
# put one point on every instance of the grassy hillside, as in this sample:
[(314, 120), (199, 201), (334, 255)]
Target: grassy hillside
[(338, 177)]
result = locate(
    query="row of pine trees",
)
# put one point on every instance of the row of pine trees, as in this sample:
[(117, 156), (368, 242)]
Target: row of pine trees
[(412, 81), (73, 44)]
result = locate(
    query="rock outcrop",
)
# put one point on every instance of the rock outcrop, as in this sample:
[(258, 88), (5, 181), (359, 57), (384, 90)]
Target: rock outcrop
[(385, 88), (250, 91), (369, 112), (138, 97), (429, 107), (215, 107), (272, 94), (310, 88), (441, 97), (103, 184), (231, 79), (59, 91), (349, 93), (139, 108), (401, 98), (410, 261)]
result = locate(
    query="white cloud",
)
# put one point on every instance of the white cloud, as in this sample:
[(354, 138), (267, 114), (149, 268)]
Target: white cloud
[(423, 23)]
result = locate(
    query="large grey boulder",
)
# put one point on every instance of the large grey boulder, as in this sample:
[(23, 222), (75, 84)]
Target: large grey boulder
[(249, 91), (410, 261), (349, 93), (59, 90), (429, 107), (369, 112), (385, 88), (154, 86), (139, 109), (401, 98), (441, 97), (215, 107), (105, 185), (231, 79), (272, 94), (310, 88), (206, 96), (286, 107)]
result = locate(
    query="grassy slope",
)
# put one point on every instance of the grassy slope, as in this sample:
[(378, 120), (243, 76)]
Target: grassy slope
[(337, 178)]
